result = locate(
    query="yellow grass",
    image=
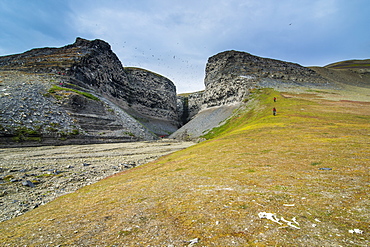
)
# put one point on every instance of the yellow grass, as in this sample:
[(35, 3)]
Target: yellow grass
[(214, 190)]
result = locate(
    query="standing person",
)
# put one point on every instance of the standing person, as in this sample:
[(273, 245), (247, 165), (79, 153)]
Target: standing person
[(274, 99), (274, 111)]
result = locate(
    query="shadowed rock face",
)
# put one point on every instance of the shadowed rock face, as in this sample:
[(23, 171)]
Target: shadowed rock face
[(92, 67), (155, 101)]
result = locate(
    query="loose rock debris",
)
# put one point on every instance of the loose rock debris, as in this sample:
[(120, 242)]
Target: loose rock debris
[(270, 216), (33, 176)]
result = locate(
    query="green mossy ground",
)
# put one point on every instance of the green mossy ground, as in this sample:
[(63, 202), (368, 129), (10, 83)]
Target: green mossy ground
[(55, 89)]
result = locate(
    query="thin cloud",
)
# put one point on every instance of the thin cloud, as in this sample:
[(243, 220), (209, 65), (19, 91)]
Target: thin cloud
[(175, 38)]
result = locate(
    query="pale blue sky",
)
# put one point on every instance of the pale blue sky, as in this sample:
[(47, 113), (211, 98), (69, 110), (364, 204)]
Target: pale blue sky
[(176, 37)]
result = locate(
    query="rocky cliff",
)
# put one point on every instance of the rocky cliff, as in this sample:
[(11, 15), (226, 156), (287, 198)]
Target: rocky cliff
[(154, 102), (230, 77), (85, 90)]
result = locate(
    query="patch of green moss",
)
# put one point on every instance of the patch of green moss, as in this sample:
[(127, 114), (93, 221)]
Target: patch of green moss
[(8, 177), (74, 132), (315, 163), (55, 88), (26, 134), (44, 175), (129, 134)]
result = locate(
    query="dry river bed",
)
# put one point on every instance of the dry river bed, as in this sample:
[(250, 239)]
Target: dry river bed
[(32, 176)]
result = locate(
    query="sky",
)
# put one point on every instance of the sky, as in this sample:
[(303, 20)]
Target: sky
[(175, 38)]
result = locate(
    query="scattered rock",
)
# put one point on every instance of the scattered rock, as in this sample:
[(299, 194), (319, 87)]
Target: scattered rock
[(128, 166), (28, 183)]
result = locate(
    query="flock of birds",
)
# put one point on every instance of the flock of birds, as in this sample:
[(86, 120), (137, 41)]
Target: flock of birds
[(179, 70)]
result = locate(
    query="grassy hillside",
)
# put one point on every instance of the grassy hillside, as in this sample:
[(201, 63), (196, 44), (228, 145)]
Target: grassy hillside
[(212, 193), (350, 64)]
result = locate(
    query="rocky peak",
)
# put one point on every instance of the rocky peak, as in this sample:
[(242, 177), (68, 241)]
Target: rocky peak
[(93, 44)]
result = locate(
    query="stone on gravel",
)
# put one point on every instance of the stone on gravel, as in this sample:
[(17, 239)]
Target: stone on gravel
[(28, 183)]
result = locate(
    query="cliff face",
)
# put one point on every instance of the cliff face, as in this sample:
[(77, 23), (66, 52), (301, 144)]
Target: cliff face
[(231, 75), (189, 105), (90, 67), (154, 101)]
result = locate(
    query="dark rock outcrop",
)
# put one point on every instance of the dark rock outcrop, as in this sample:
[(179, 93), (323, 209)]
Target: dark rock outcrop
[(188, 105), (154, 102), (231, 75), (91, 89)]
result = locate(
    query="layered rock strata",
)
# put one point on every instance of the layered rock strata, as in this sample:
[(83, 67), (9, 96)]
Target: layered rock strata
[(121, 102), (155, 101)]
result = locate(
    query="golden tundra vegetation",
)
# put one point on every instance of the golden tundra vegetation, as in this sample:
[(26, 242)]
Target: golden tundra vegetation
[(308, 165)]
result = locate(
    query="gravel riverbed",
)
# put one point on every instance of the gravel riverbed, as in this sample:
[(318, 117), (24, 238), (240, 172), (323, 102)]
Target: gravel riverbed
[(33, 176)]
